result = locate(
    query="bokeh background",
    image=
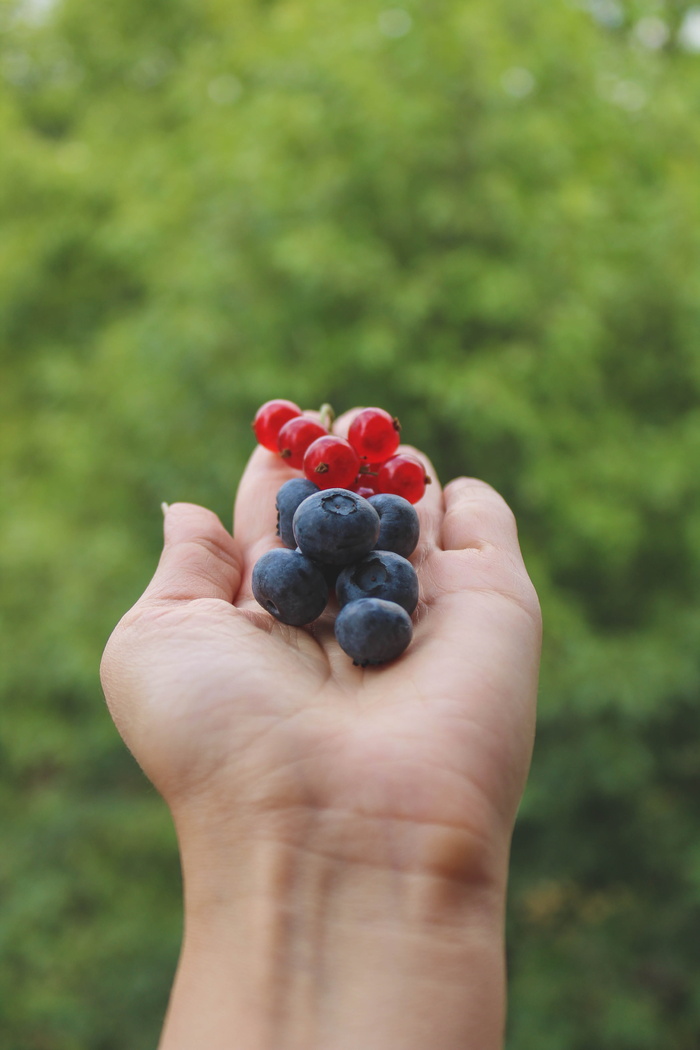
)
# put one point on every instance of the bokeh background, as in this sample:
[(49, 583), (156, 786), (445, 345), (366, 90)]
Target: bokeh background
[(483, 215)]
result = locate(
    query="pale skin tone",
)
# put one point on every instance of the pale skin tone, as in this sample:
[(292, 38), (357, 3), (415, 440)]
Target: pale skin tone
[(344, 832)]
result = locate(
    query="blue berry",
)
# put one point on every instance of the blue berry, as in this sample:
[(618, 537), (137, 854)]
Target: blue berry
[(373, 631), (330, 572), (399, 528), (289, 586), (381, 574), (289, 496), (335, 526)]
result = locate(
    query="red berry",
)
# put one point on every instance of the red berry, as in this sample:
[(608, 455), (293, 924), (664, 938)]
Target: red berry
[(374, 435), (362, 490), (270, 418), (369, 476), (331, 462), (403, 475), (295, 437)]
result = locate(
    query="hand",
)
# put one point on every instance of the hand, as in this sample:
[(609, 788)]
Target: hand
[(262, 736)]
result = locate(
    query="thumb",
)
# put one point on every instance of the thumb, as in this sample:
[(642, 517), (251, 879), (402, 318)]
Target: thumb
[(200, 558)]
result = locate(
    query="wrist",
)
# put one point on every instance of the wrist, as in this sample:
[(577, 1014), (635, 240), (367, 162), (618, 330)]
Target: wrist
[(301, 944)]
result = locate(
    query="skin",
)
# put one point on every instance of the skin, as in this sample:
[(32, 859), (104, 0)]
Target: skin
[(344, 832)]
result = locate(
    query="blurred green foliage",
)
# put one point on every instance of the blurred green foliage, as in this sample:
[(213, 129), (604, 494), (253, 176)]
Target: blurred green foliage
[(484, 216)]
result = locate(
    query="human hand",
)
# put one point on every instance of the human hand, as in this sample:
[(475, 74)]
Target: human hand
[(263, 737)]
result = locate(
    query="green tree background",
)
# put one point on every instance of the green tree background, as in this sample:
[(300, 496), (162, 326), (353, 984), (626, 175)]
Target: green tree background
[(483, 216)]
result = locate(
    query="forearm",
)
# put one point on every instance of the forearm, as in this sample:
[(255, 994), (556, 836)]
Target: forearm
[(290, 949)]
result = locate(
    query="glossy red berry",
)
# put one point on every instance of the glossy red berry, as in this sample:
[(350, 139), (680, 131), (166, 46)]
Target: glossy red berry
[(403, 475), (331, 462), (270, 418), (374, 435), (361, 489), (295, 437), (369, 476)]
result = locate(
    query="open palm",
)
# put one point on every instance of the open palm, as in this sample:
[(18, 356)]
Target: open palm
[(228, 710)]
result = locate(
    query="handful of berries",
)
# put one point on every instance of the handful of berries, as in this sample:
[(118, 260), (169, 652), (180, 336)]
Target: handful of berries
[(347, 524)]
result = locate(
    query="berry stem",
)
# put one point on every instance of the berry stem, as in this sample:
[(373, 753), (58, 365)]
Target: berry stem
[(327, 416)]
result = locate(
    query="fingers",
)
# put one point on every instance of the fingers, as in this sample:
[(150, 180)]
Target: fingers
[(200, 558), (255, 516), (480, 550), (476, 515)]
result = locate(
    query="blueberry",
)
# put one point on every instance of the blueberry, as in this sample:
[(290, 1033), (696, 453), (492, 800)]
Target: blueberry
[(381, 574), (330, 572), (289, 586), (336, 526), (373, 631), (399, 528), (289, 496)]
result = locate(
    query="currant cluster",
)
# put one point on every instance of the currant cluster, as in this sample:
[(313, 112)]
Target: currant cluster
[(342, 534), (366, 463)]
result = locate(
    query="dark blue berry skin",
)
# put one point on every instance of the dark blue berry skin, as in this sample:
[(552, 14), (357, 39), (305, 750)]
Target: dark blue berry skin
[(399, 527), (289, 496), (330, 572), (381, 574), (373, 631), (336, 526), (289, 586)]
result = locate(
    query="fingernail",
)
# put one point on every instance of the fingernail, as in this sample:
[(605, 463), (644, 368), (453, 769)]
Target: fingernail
[(164, 507)]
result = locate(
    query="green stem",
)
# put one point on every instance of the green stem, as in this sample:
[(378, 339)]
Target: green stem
[(327, 416)]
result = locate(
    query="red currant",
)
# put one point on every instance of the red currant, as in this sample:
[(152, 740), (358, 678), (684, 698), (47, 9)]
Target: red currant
[(331, 462), (295, 437), (374, 435), (369, 476), (270, 418), (403, 475), (362, 490)]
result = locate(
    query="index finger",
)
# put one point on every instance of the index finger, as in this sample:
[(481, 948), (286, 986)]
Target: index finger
[(254, 513)]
